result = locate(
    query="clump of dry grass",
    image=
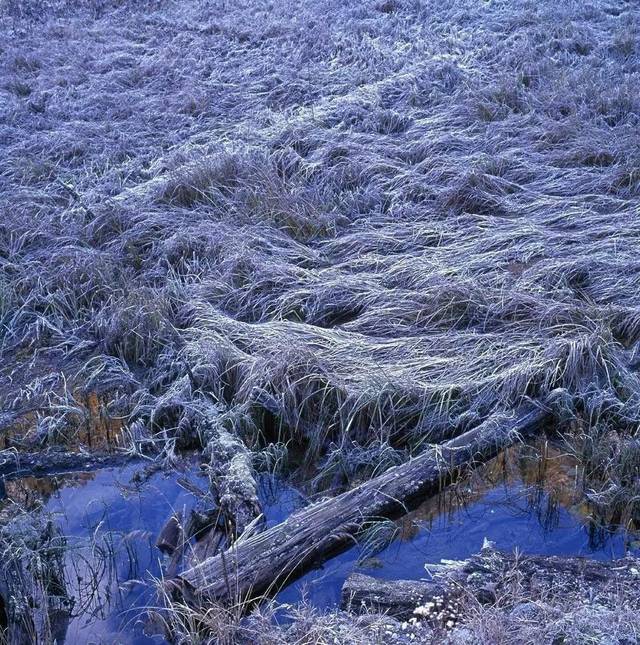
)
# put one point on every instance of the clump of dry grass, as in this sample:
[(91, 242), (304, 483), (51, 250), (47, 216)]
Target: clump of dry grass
[(572, 613), (33, 585), (383, 249), (271, 624), (610, 474), (582, 624)]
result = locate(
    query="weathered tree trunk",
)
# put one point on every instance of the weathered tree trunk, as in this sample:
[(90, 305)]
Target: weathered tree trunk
[(264, 562), (14, 465), (397, 598), (485, 576), (232, 483)]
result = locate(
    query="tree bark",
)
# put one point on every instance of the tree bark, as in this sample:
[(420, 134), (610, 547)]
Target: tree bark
[(15, 465), (485, 576), (263, 563)]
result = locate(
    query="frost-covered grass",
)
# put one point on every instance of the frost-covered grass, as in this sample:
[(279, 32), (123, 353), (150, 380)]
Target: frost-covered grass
[(373, 226), (358, 225), (366, 229)]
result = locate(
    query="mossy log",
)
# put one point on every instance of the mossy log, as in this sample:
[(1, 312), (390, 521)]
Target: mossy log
[(265, 562)]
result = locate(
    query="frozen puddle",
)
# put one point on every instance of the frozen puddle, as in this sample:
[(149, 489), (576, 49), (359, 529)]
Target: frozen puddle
[(112, 517)]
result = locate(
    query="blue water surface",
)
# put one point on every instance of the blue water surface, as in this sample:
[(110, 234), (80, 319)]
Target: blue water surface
[(124, 518), (511, 515)]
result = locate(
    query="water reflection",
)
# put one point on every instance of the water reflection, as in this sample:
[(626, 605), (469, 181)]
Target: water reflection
[(538, 480), (111, 520), (528, 498)]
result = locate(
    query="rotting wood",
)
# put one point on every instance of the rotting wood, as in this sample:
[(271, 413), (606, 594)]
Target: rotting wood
[(226, 459), (396, 598), (267, 561), (15, 464), (484, 576), (232, 482), (205, 529), (171, 535)]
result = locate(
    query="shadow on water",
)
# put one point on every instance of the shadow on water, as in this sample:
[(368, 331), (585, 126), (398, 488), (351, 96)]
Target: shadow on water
[(526, 498)]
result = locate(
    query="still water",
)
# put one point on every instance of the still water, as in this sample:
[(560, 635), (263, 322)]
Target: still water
[(112, 518)]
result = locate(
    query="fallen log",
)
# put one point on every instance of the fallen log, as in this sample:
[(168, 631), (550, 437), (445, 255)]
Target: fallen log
[(487, 576), (269, 560), (15, 465), (399, 599), (232, 483)]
